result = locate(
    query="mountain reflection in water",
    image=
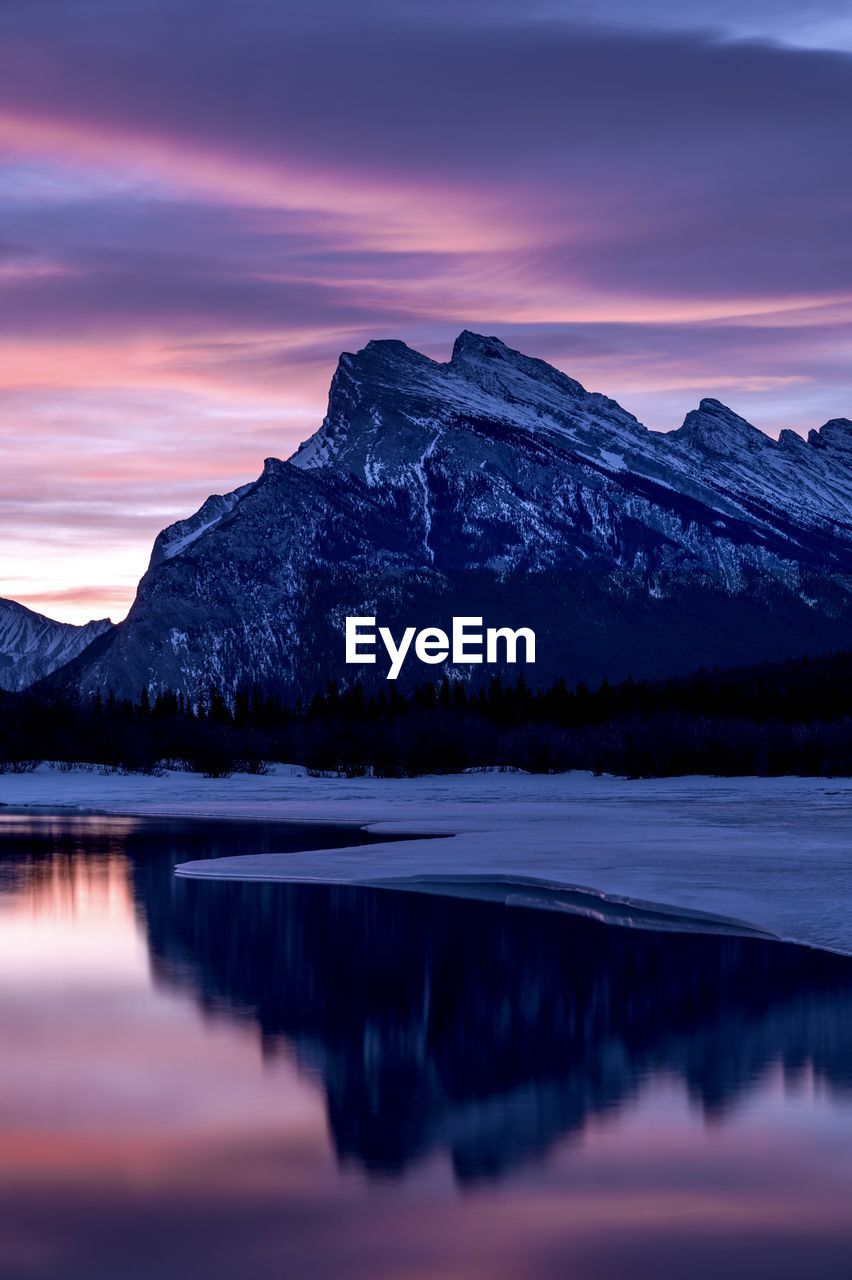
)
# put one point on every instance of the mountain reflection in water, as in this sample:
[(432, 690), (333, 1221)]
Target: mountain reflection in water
[(490, 1031), (265, 1080)]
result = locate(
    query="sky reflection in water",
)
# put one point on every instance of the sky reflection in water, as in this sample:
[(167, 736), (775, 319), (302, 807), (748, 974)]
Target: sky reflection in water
[(262, 1080)]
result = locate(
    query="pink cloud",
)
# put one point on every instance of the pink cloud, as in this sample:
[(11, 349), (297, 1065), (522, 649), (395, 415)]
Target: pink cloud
[(193, 230)]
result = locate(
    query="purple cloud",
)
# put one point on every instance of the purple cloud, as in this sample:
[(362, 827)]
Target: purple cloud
[(207, 202)]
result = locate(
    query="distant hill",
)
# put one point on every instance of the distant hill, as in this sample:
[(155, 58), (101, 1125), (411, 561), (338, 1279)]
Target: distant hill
[(32, 646)]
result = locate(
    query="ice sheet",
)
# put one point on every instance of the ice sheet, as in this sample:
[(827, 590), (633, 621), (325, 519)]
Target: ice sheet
[(775, 854)]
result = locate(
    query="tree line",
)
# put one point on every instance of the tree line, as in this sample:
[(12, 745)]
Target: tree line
[(792, 717)]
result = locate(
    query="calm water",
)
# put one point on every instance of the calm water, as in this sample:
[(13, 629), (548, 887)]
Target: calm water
[(239, 1081)]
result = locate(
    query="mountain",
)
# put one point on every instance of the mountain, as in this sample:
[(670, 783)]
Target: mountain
[(495, 485), (178, 536), (32, 646)]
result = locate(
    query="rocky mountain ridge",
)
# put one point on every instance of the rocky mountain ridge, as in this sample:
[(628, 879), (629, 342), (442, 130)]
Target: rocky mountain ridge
[(33, 646), (494, 484)]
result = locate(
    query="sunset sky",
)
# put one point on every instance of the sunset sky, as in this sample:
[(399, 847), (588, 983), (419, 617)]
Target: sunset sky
[(202, 203)]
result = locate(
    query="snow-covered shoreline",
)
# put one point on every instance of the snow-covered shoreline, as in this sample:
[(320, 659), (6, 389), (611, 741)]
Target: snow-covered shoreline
[(773, 853)]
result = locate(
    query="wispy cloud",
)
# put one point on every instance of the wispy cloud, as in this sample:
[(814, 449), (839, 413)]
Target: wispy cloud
[(204, 203)]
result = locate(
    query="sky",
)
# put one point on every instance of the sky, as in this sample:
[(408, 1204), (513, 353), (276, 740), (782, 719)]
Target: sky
[(203, 203)]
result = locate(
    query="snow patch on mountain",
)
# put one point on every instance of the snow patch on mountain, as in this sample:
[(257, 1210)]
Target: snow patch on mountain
[(177, 537)]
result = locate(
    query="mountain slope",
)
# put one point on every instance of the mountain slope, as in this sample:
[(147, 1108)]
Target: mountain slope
[(32, 646), (493, 484)]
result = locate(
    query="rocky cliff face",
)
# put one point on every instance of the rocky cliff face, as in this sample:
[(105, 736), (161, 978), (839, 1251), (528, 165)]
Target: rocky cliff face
[(493, 484), (32, 646)]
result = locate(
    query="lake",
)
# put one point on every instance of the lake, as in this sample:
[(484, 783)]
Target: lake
[(265, 1080)]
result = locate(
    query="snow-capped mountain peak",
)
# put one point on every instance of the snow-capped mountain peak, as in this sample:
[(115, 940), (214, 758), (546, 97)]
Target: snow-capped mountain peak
[(388, 404), (715, 428), (494, 483), (494, 366), (33, 646), (835, 434)]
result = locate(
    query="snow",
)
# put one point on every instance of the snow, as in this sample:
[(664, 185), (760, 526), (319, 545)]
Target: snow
[(775, 854), (180, 544), (613, 460), (420, 472), (32, 646), (490, 465), (716, 455), (177, 537)]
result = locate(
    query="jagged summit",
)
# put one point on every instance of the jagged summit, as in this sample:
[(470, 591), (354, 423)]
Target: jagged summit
[(386, 400), (394, 345), (494, 484), (392, 410), (715, 427), (470, 346), (834, 434), (709, 404), (500, 370)]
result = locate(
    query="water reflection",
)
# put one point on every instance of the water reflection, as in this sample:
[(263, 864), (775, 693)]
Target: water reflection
[(186, 1066), (491, 1032)]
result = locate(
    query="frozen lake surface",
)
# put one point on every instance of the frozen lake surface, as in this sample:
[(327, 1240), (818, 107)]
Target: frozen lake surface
[(772, 854)]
